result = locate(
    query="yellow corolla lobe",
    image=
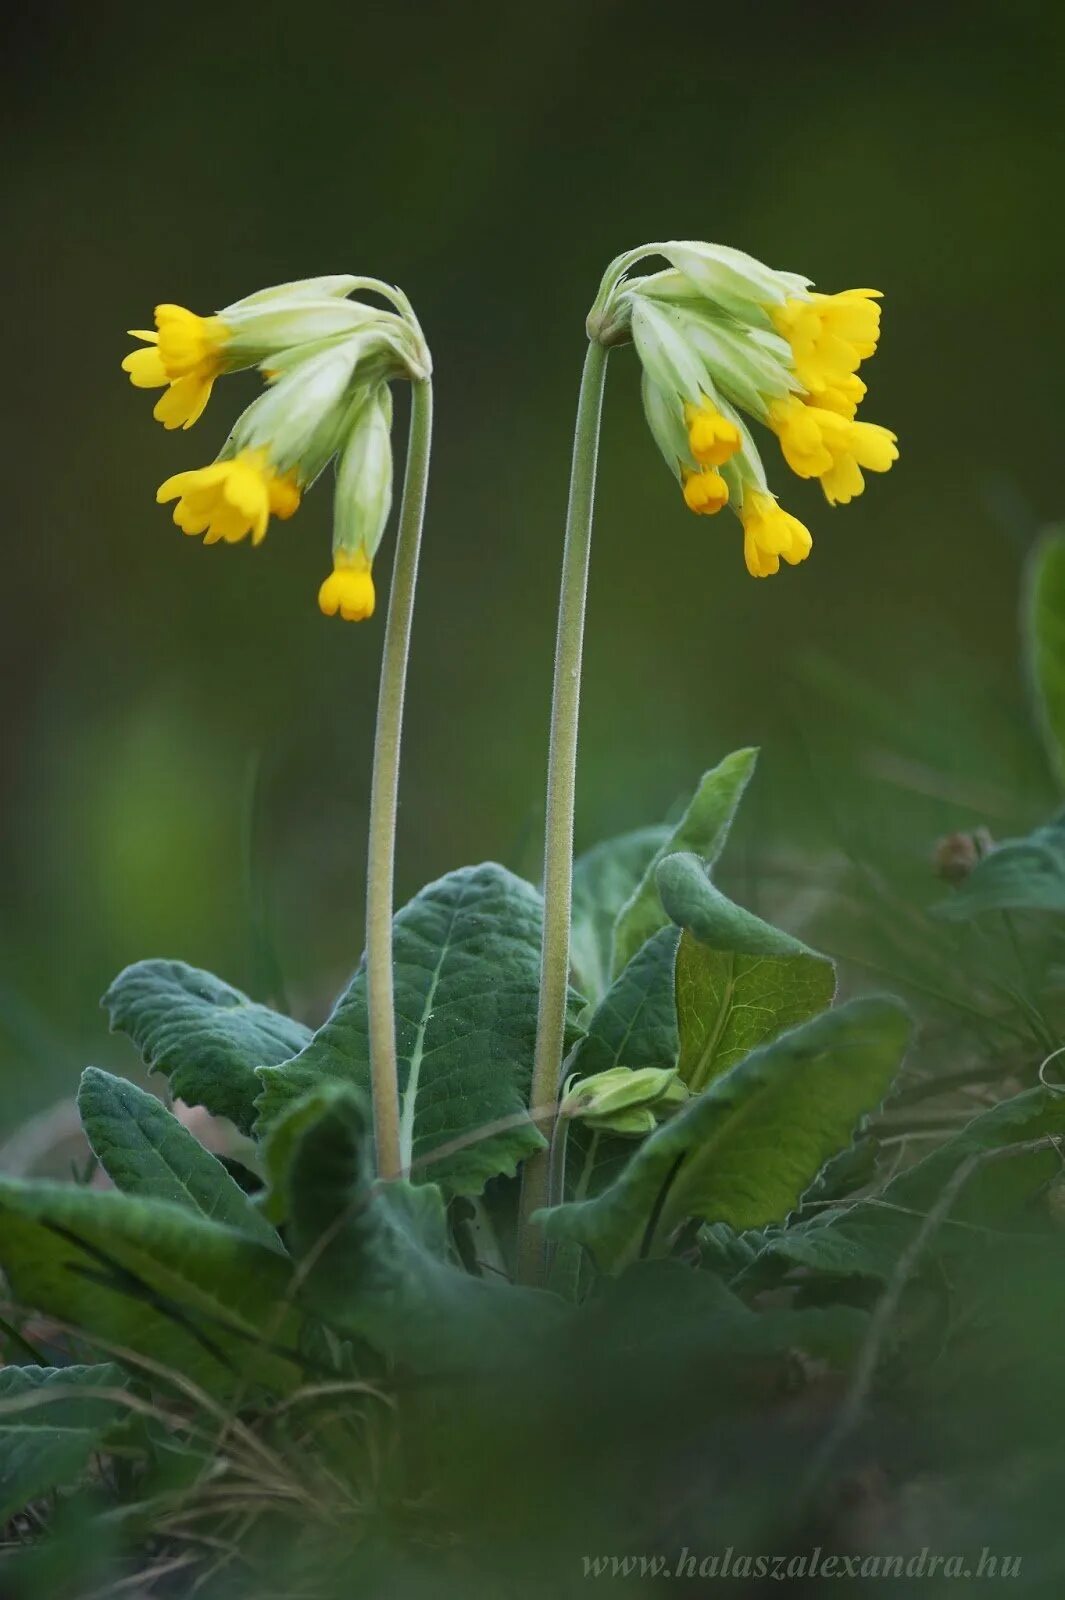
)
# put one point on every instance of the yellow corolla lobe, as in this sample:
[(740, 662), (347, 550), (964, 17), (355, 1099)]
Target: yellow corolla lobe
[(818, 443), (705, 492), (830, 336), (769, 534), (711, 436), (184, 353), (232, 498), (348, 589)]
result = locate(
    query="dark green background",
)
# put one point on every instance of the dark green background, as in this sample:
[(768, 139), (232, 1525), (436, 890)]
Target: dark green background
[(491, 159)]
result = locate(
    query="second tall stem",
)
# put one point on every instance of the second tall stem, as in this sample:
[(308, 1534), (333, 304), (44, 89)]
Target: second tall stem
[(561, 786)]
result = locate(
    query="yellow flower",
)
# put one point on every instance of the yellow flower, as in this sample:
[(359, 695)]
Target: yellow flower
[(348, 589), (705, 492), (818, 443), (770, 532), (830, 336), (844, 395), (231, 498), (712, 437), (185, 355)]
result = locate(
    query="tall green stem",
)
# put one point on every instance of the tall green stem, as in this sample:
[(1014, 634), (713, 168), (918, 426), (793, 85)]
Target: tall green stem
[(561, 784), (384, 792)]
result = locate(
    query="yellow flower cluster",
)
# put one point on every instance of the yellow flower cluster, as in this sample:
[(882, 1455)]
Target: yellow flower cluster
[(327, 361), (723, 337), (830, 336), (820, 436)]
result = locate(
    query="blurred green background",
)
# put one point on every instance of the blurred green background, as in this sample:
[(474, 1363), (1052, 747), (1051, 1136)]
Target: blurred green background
[(157, 696)]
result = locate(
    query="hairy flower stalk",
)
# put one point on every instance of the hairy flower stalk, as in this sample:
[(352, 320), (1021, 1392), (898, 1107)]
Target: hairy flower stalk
[(561, 787), (327, 361), (721, 338)]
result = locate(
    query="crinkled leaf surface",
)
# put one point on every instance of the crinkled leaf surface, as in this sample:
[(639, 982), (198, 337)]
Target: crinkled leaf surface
[(203, 1034), (740, 982), (634, 1025), (145, 1151), (154, 1277), (866, 1238), (703, 829), (374, 1256), (604, 878), (467, 967), (49, 1425), (744, 1150), (682, 1316)]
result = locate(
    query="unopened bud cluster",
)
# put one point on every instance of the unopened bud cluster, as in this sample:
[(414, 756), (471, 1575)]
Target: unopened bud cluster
[(624, 1100)]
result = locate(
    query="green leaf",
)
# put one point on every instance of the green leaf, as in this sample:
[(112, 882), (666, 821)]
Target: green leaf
[(145, 1151), (740, 982), (374, 1256), (1044, 631), (153, 1277), (205, 1036), (744, 1150), (635, 1024), (866, 1238), (1019, 875), (467, 968), (672, 1316), (49, 1426), (604, 878), (703, 829)]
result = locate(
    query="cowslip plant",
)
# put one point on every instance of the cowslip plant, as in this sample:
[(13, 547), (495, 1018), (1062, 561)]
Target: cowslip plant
[(658, 1083), (328, 361), (717, 334)]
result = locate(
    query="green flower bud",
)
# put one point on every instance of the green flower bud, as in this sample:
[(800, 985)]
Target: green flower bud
[(622, 1100), (300, 416)]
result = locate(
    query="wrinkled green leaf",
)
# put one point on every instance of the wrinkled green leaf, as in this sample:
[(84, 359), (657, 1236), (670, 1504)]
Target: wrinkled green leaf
[(1019, 875), (865, 1239), (153, 1277), (703, 829), (467, 966), (1044, 631), (678, 1316), (375, 1256), (635, 1024), (604, 878), (744, 1150), (49, 1426), (145, 1151), (740, 982), (204, 1035)]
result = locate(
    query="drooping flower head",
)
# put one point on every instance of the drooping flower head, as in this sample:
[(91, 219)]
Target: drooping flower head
[(720, 337), (327, 361)]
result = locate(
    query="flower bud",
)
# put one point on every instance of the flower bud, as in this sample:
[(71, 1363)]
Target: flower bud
[(623, 1100), (731, 278), (956, 854), (364, 475), (299, 417)]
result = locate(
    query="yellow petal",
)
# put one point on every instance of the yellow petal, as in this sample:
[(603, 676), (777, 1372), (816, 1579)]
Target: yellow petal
[(349, 590), (146, 370), (183, 403)]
